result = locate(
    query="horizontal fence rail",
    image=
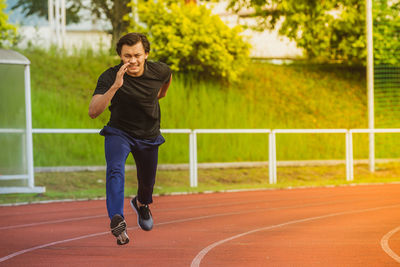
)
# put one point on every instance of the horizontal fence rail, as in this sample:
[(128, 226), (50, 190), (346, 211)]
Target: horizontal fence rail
[(193, 183), (272, 145), (193, 162), (66, 131), (194, 167), (350, 174), (12, 131), (90, 131)]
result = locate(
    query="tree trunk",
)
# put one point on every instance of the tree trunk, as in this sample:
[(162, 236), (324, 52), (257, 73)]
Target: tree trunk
[(115, 14), (119, 26)]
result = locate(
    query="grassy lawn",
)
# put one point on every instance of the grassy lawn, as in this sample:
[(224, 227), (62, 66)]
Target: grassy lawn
[(91, 185), (267, 96)]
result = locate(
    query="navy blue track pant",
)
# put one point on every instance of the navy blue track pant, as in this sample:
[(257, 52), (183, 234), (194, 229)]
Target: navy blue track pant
[(118, 145)]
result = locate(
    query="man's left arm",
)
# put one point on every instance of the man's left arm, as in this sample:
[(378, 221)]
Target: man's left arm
[(164, 89)]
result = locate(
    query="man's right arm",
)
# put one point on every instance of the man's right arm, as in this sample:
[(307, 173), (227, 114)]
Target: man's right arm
[(100, 102)]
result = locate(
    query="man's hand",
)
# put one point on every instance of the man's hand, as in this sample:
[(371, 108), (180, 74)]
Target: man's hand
[(119, 79), (100, 102)]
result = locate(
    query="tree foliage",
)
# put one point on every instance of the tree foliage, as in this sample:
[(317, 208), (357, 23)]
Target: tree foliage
[(190, 39), (386, 32), (113, 11), (40, 8), (8, 32), (326, 30)]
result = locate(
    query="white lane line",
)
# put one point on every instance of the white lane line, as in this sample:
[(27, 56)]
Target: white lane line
[(99, 216), (219, 205), (159, 224), (50, 222), (48, 245), (197, 260), (162, 223), (104, 233), (385, 244)]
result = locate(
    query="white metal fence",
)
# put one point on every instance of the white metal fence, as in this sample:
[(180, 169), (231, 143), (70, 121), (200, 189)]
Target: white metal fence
[(272, 162), (272, 165)]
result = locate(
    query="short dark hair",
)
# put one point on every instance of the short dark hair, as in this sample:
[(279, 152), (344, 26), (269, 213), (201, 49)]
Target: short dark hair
[(132, 39)]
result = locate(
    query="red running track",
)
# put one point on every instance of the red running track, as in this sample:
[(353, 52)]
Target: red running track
[(340, 226)]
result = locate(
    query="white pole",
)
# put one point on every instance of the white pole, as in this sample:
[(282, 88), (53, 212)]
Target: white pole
[(273, 145), (270, 159), (58, 23), (274, 156), (195, 176), (134, 8), (347, 157), (351, 157), (63, 23), (370, 85), (50, 3), (29, 141), (191, 158)]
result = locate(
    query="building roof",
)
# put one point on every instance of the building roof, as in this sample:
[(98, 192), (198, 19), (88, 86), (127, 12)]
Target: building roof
[(12, 57)]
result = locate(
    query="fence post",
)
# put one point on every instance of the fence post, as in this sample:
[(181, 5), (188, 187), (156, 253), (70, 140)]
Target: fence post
[(370, 83), (196, 169), (351, 157), (347, 136), (193, 158), (29, 137), (272, 158)]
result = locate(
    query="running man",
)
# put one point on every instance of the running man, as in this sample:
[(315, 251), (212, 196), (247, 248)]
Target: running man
[(131, 90)]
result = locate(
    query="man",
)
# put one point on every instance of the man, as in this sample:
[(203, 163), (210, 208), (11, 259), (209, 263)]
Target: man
[(132, 89)]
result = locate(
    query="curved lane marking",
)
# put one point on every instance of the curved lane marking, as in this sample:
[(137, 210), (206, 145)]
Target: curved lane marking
[(216, 205), (385, 244), (104, 233), (50, 222), (162, 223), (48, 245), (7, 257), (197, 260)]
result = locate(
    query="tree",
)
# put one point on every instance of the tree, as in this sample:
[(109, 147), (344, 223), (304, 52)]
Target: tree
[(113, 11), (40, 8), (386, 33), (190, 39), (8, 32), (326, 30)]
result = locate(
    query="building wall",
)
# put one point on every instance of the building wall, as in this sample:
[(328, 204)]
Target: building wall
[(74, 39), (266, 44), (97, 40)]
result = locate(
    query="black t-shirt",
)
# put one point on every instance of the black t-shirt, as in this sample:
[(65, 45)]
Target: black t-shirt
[(134, 107)]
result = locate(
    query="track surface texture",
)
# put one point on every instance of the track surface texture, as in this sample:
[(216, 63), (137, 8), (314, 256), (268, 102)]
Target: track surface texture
[(338, 226)]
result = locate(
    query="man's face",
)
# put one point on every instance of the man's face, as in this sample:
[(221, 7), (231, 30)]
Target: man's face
[(136, 56)]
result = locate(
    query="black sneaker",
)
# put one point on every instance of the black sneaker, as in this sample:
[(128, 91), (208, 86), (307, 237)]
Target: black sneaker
[(118, 229), (145, 220)]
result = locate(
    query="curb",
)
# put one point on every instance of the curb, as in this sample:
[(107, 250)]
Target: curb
[(217, 165)]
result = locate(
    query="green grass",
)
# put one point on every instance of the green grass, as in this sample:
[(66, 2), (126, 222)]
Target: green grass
[(267, 96), (91, 185)]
